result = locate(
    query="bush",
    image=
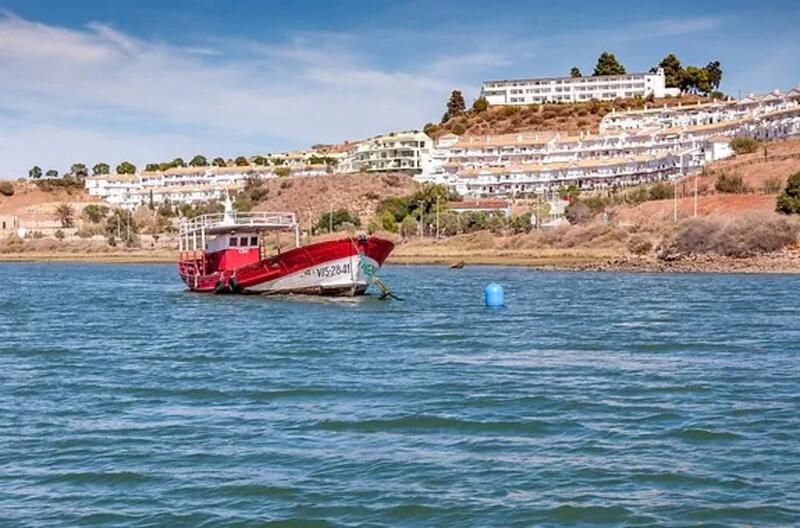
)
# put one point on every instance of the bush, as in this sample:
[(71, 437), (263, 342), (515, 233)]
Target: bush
[(458, 129), (6, 188), (772, 185), (338, 219), (789, 200), (409, 226), (480, 104), (283, 172), (639, 245), (740, 237), (95, 213), (731, 184), (744, 145), (578, 212), (661, 191), (59, 234), (430, 128)]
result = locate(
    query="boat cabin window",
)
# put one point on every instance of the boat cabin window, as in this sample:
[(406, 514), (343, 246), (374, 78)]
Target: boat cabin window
[(243, 241), (234, 242), (254, 241)]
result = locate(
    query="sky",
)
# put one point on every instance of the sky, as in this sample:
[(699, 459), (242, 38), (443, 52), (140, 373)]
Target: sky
[(147, 81)]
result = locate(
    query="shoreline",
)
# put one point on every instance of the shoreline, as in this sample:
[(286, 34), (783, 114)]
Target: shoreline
[(780, 263)]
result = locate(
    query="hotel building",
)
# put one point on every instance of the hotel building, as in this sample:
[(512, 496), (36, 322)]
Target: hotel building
[(408, 152), (575, 89)]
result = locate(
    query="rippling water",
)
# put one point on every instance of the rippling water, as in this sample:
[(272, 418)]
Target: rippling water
[(620, 399)]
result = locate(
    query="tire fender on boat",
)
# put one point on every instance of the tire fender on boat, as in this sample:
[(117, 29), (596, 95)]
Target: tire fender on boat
[(233, 284)]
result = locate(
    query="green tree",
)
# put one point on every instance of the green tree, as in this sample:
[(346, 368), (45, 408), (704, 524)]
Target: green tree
[(569, 193), (126, 167), (261, 161), (178, 162), (607, 64), (673, 71), (101, 168), (95, 213), (574, 72), (241, 161), (35, 173), (336, 219), (480, 104), (397, 206), (714, 73), (218, 162), (388, 222), (430, 129), (458, 129), (52, 173), (79, 170), (455, 105), (409, 226), (695, 80), (730, 183), (789, 200), (745, 145), (199, 161), (151, 167), (124, 223), (65, 215)]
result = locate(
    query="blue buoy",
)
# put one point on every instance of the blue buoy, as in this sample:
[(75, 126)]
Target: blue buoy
[(493, 295)]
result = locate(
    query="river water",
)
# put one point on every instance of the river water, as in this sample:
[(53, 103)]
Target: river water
[(611, 399)]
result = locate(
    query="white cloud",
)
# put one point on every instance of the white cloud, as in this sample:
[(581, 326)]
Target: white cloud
[(112, 89)]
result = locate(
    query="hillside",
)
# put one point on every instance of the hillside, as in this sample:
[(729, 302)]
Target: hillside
[(762, 176), (32, 205), (574, 117), (310, 197)]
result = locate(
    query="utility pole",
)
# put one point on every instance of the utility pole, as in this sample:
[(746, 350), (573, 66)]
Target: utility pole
[(695, 194), (437, 218), (330, 217), (421, 220)]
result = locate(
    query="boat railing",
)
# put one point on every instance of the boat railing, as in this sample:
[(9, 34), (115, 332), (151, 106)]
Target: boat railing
[(257, 220)]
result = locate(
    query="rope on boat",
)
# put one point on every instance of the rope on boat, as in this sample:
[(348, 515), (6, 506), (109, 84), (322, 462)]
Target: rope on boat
[(373, 279)]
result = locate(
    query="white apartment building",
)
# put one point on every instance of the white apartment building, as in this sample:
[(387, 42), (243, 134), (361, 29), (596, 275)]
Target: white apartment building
[(541, 162), (575, 89), (403, 151), (702, 113)]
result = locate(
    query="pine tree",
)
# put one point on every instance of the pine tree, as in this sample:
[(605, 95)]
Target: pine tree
[(456, 104), (673, 71), (607, 64), (575, 72)]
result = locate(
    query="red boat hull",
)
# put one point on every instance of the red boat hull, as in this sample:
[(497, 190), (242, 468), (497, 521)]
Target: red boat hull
[(336, 267)]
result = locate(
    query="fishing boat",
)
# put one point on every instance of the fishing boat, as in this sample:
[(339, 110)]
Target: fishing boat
[(227, 253)]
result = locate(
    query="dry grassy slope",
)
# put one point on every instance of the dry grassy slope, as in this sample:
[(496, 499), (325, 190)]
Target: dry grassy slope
[(30, 203), (309, 197), (783, 160), (563, 117)]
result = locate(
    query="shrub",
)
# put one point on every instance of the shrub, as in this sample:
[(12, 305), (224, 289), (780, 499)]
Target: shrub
[(578, 212), (740, 237), (661, 191), (509, 111), (430, 128), (772, 185), (6, 188), (730, 183), (338, 219), (639, 245), (59, 234), (789, 200), (458, 129), (372, 196), (65, 215), (744, 145), (409, 226), (95, 213), (283, 172), (480, 104)]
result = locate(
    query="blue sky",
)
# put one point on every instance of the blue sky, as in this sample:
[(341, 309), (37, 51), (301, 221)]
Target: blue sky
[(150, 80)]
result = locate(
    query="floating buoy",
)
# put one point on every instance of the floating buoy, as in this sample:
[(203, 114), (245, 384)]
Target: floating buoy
[(493, 295)]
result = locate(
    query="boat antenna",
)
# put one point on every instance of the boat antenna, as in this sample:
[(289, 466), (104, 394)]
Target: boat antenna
[(228, 217)]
